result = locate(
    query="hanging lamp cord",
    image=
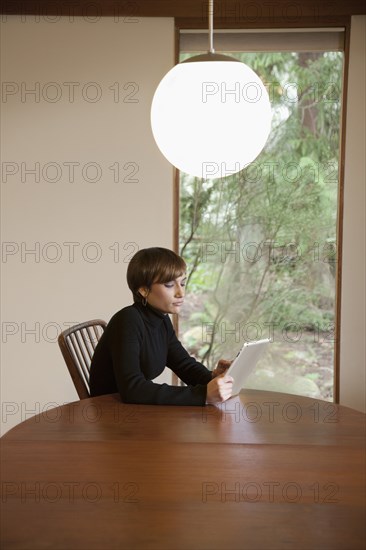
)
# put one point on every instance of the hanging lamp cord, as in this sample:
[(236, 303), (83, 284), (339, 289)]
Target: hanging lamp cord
[(210, 26)]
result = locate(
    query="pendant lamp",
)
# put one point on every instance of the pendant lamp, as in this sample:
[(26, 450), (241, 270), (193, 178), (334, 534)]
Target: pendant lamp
[(211, 114)]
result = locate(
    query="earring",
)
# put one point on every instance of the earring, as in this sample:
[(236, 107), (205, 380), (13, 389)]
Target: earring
[(144, 298)]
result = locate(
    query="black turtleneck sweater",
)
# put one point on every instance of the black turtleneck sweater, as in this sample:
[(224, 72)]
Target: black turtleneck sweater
[(136, 346)]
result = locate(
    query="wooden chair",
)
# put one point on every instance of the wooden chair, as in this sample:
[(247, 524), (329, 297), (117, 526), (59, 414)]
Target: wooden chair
[(77, 346)]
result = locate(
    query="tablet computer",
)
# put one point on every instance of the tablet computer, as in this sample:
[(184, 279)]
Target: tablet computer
[(244, 363)]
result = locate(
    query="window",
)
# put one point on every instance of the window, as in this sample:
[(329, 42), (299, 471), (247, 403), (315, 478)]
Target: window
[(261, 245)]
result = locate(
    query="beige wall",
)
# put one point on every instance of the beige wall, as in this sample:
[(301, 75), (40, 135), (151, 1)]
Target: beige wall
[(353, 326), (45, 291), (60, 283)]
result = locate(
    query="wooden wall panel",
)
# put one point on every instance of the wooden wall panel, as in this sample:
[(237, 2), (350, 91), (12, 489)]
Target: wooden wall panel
[(247, 11)]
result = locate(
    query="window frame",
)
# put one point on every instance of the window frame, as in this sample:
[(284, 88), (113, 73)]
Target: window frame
[(309, 23)]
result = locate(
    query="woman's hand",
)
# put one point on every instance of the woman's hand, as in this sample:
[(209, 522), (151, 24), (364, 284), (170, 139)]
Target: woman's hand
[(221, 368), (219, 389)]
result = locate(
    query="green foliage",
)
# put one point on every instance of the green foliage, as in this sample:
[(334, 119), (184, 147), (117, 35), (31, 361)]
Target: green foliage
[(261, 244)]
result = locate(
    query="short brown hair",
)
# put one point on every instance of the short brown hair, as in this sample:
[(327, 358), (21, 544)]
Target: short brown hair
[(153, 265)]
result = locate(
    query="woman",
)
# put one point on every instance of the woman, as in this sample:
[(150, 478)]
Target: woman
[(139, 341)]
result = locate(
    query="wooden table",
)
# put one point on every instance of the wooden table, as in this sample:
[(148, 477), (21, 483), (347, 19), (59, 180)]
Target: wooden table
[(262, 471)]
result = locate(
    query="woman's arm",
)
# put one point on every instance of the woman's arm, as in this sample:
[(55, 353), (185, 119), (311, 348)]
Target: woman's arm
[(190, 371), (181, 363)]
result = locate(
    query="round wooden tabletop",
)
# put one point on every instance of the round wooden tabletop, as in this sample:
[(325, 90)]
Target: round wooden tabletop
[(264, 470)]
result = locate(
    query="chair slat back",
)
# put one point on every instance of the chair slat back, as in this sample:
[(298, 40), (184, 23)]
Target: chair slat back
[(77, 345)]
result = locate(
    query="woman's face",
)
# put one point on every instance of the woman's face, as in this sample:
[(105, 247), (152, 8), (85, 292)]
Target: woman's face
[(166, 297)]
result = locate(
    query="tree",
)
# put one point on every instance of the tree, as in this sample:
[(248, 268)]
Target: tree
[(261, 244)]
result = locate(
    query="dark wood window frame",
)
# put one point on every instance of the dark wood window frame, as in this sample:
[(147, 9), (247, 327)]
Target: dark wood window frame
[(345, 23)]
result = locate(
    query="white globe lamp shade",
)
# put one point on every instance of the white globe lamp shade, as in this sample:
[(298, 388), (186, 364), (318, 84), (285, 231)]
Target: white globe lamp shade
[(211, 118)]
